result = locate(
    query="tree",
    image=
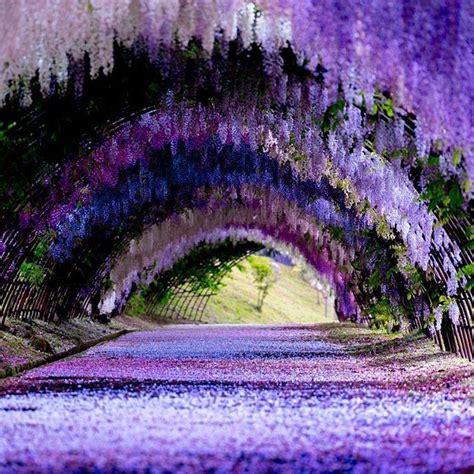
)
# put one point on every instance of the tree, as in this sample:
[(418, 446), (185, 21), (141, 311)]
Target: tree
[(263, 277)]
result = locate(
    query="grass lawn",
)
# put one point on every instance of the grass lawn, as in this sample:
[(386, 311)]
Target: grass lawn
[(290, 300)]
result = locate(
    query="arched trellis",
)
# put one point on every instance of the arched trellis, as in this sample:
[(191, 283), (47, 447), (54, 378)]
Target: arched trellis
[(185, 289), (43, 298), (161, 244), (265, 68), (186, 200), (32, 311)]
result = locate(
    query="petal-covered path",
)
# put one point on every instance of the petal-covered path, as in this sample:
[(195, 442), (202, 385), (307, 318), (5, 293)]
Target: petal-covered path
[(237, 399)]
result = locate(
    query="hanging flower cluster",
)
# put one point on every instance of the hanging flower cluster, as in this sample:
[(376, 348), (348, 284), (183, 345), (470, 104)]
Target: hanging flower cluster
[(418, 51), (293, 137), (169, 182)]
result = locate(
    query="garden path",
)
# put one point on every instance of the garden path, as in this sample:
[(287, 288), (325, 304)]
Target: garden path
[(294, 398)]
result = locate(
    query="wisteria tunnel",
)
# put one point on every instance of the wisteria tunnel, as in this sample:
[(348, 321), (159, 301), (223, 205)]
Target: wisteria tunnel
[(150, 147), (179, 127)]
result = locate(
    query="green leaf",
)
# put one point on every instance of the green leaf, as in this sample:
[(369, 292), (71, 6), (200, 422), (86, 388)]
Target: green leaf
[(388, 108), (330, 119), (433, 160), (455, 196), (374, 280), (470, 232), (456, 157), (40, 250), (468, 270), (445, 301), (136, 305), (337, 233), (357, 265), (32, 273)]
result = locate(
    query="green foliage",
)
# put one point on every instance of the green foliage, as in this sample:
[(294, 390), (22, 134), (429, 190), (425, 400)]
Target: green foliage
[(384, 264), (41, 249), (433, 160), (337, 233), (384, 315), (445, 301), (332, 116), (468, 270), (261, 268), (32, 273), (444, 197), (415, 277), (263, 277), (136, 305), (384, 105), (4, 129), (290, 300), (373, 282), (439, 300), (165, 297), (193, 52), (206, 281), (108, 284), (202, 271), (457, 157)]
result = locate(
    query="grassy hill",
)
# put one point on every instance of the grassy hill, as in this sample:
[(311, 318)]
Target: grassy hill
[(290, 299)]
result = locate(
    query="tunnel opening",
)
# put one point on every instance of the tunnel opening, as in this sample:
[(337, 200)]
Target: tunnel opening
[(228, 282)]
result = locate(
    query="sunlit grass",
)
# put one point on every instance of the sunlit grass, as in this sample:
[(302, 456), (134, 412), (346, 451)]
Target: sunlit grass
[(290, 299)]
